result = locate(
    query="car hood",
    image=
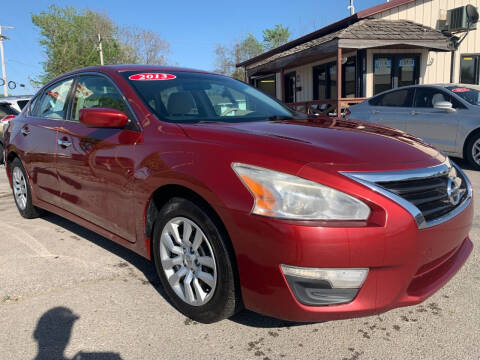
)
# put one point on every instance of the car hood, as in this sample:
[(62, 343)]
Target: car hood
[(321, 141)]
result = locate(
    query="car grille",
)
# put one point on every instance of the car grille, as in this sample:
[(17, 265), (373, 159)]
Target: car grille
[(429, 195)]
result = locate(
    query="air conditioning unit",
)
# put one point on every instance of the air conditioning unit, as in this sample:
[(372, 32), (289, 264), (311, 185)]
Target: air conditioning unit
[(457, 20)]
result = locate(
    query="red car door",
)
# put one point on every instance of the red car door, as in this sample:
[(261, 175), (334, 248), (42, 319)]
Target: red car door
[(39, 140), (95, 165)]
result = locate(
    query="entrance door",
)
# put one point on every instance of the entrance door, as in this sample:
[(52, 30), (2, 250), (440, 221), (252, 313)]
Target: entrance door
[(392, 71)]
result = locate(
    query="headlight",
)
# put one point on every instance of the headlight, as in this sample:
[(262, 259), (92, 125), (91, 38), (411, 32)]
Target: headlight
[(286, 196)]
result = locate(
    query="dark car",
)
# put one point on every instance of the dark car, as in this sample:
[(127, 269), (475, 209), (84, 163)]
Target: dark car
[(238, 200)]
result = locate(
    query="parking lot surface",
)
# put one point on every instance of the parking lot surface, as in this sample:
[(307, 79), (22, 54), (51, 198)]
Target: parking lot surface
[(66, 292)]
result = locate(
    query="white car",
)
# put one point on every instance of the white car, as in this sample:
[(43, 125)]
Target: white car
[(10, 105), (446, 116), (16, 102)]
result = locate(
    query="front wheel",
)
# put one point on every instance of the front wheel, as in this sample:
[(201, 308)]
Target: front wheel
[(472, 151), (194, 262), (21, 191)]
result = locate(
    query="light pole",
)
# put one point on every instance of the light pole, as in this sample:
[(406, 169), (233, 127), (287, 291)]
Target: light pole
[(4, 72)]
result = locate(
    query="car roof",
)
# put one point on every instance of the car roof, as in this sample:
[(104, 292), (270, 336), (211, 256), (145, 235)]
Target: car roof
[(135, 67)]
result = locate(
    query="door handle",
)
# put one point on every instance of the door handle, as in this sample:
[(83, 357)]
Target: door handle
[(25, 131), (63, 143), (374, 112), (414, 113)]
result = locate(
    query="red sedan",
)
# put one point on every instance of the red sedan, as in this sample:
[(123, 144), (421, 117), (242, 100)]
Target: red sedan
[(238, 200)]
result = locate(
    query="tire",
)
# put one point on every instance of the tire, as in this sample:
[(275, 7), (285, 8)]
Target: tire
[(207, 301), (22, 192), (470, 148)]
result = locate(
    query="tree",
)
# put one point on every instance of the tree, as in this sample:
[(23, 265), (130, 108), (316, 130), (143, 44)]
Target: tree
[(143, 46), (69, 37), (275, 37), (228, 56)]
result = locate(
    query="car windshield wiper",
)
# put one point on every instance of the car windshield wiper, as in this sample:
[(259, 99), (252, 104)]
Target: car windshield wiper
[(280, 117)]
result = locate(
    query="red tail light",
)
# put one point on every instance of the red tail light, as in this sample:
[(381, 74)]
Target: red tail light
[(7, 118)]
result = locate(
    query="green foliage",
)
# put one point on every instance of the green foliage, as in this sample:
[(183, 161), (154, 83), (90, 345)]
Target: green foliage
[(69, 37), (228, 56), (275, 37)]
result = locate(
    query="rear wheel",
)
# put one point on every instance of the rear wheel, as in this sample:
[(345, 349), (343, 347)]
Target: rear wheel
[(193, 262), (21, 191), (472, 151)]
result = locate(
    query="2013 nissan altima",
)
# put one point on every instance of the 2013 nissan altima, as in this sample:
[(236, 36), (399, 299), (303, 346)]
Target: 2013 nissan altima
[(238, 200)]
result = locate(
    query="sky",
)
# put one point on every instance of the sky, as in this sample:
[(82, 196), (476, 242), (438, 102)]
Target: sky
[(193, 28)]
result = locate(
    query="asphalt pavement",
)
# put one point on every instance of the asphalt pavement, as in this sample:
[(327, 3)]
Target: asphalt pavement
[(68, 293)]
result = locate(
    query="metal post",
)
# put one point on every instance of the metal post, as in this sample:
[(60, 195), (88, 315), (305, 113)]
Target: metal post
[(4, 73), (339, 82), (100, 49)]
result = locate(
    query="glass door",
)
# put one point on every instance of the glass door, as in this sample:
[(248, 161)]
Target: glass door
[(395, 70), (382, 74)]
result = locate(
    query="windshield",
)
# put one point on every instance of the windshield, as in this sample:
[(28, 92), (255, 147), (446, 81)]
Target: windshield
[(192, 97), (470, 94)]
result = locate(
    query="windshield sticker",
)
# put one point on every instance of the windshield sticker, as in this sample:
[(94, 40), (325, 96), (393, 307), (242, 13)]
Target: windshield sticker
[(461, 90), (152, 76)]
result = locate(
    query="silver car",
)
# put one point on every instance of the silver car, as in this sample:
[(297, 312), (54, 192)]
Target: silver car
[(446, 116)]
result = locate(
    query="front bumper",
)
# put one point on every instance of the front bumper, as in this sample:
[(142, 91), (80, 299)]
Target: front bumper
[(406, 265)]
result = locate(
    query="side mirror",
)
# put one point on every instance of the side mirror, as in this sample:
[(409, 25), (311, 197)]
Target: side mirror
[(444, 105), (103, 118)]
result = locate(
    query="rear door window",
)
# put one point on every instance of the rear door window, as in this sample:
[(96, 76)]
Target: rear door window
[(54, 101), (398, 98)]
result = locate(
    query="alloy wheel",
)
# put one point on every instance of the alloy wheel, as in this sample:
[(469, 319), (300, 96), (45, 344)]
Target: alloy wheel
[(476, 151), (188, 261), (19, 188)]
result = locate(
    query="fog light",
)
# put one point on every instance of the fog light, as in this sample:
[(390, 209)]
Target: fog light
[(315, 286)]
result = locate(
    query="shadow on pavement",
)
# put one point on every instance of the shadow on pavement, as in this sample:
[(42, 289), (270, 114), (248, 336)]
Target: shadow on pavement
[(53, 332), (142, 264), (245, 317), (464, 165)]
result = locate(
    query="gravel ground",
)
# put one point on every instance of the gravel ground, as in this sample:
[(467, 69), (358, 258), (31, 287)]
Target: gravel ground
[(66, 292)]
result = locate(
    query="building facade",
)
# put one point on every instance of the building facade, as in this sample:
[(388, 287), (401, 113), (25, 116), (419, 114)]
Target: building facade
[(396, 43)]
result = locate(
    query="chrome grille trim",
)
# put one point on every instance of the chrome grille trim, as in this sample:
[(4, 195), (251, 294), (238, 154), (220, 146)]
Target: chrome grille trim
[(369, 179)]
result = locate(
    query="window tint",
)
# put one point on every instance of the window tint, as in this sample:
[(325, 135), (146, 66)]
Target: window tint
[(428, 97), (96, 91), (53, 103), (399, 98)]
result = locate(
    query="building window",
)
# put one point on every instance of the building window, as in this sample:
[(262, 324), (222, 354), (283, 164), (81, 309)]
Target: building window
[(391, 71), (349, 77), (325, 80), (470, 69), (290, 87), (266, 84)]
